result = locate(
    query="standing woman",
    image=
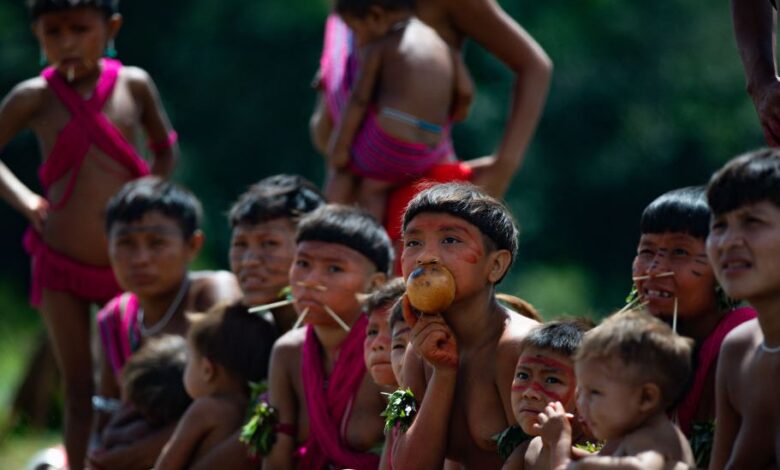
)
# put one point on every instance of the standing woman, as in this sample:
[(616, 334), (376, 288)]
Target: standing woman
[(455, 21), (673, 277)]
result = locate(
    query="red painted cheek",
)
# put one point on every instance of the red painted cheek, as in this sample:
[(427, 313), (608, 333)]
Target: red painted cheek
[(548, 393), (519, 388)]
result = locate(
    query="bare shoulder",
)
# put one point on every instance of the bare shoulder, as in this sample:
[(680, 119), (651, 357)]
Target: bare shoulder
[(289, 344), (28, 95), (515, 330), (742, 338), (213, 287), (661, 436), (207, 409), (136, 77)]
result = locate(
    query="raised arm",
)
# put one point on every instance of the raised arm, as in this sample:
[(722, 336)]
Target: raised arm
[(155, 122), (359, 100), (281, 396), (496, 31), (16, 112), (754, 27), (424, 445)]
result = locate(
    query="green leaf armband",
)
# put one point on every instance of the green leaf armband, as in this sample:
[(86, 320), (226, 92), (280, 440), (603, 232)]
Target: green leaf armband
[(259, 430), (508, 439), (401, 409)]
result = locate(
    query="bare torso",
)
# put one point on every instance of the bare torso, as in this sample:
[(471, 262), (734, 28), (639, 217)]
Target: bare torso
[(78, 228)]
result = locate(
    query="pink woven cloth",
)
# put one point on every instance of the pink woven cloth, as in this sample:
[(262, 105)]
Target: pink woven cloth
[(119, 333), (329, 402)]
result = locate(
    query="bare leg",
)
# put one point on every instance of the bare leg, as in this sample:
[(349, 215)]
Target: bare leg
[(340, 186), (372, 196), (67, 321)]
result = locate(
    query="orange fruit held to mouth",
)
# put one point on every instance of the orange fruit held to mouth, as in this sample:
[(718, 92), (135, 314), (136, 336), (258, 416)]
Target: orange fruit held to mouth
[(430, 288)]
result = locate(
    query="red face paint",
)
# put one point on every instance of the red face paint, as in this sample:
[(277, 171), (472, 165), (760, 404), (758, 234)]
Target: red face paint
[(549, 362)]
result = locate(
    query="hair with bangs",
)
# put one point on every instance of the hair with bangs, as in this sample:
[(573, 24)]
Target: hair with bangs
[(747, 179), (275, 197), (647, 348), (151, 193), (350, 227), (40, 7), (683, 210), (561, 336), (361, 8), (468, 202), (385, 295)]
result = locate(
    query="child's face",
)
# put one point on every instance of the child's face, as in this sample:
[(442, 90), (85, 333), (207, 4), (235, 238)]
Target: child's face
[(456, 244), (74, 40), (693, 282), (376, 347), (541, 377), (608, 404), (744, 249), (400, 340), (260, 257), (150, 255), (196, 374), (329, 274)]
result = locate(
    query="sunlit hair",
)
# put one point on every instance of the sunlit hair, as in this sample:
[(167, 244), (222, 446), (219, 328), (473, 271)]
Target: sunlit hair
[(468, 202), (385, 295), (747, 179), (350, 227), (152, 380), (683, 210), (275, 197), (235, 339), (561, 336), (151, 193), (361, 8), (40, 7), (647, 348)]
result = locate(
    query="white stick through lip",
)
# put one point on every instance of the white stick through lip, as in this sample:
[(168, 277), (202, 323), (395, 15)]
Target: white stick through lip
[(336, 318), (300, 318), (653, 276), (272, 305), (318, 287), (674, 317)]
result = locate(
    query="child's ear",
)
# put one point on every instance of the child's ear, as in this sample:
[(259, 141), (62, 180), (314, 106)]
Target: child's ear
[(650, 397), (498, 263), (114, 25), (376, 280), (208, 368), (195, 243)]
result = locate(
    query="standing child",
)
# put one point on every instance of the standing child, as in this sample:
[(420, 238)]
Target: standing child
[(410, 86), (328, 406), (630, 370), (85, 110), (544, 374), (471, 348), (744, 250), (227, 348)]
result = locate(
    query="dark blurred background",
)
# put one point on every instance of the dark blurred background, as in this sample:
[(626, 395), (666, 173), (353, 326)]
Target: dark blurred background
[(646, 97)]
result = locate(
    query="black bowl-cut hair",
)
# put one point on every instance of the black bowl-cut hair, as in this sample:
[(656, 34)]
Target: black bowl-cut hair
[(682, 210)]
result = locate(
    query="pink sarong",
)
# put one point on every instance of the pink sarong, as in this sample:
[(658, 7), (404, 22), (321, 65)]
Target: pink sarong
[(119, 333), (707, 359), (329, 402), (338, 66)]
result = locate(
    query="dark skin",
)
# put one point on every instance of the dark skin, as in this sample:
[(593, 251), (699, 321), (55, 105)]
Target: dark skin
[(754, 28)]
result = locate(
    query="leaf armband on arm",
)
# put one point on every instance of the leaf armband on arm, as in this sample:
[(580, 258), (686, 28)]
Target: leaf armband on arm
[(259, 431), (401, 409)]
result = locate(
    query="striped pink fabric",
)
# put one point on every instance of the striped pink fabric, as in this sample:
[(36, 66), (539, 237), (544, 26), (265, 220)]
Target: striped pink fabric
[(119, 332), (378, 155), (338, 65)]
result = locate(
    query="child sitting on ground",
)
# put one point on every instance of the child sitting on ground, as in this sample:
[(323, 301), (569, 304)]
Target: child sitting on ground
[(227, 349), (152, 385), (153, 231), (328, 406), (377, 346), (630, 369), (86, 111), (411, 85), (545, 374), (469, 349), (744, 250)]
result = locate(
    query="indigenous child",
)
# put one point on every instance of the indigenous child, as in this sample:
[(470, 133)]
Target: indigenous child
[(399, 337), (153, 231), (328, 407), (744, 249), (396, 125), (377, 345), (545, 374), (227, 348), (629, 370), (152, 385), (263, 222), (86, 111), (676, 282), (471, 347)]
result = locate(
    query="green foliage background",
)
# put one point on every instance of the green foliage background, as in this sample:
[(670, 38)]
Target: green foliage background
[(646, 97)]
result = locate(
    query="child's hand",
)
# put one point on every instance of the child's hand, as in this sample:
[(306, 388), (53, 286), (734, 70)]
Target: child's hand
[(36, 210), (435, 342), (554, 425)]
